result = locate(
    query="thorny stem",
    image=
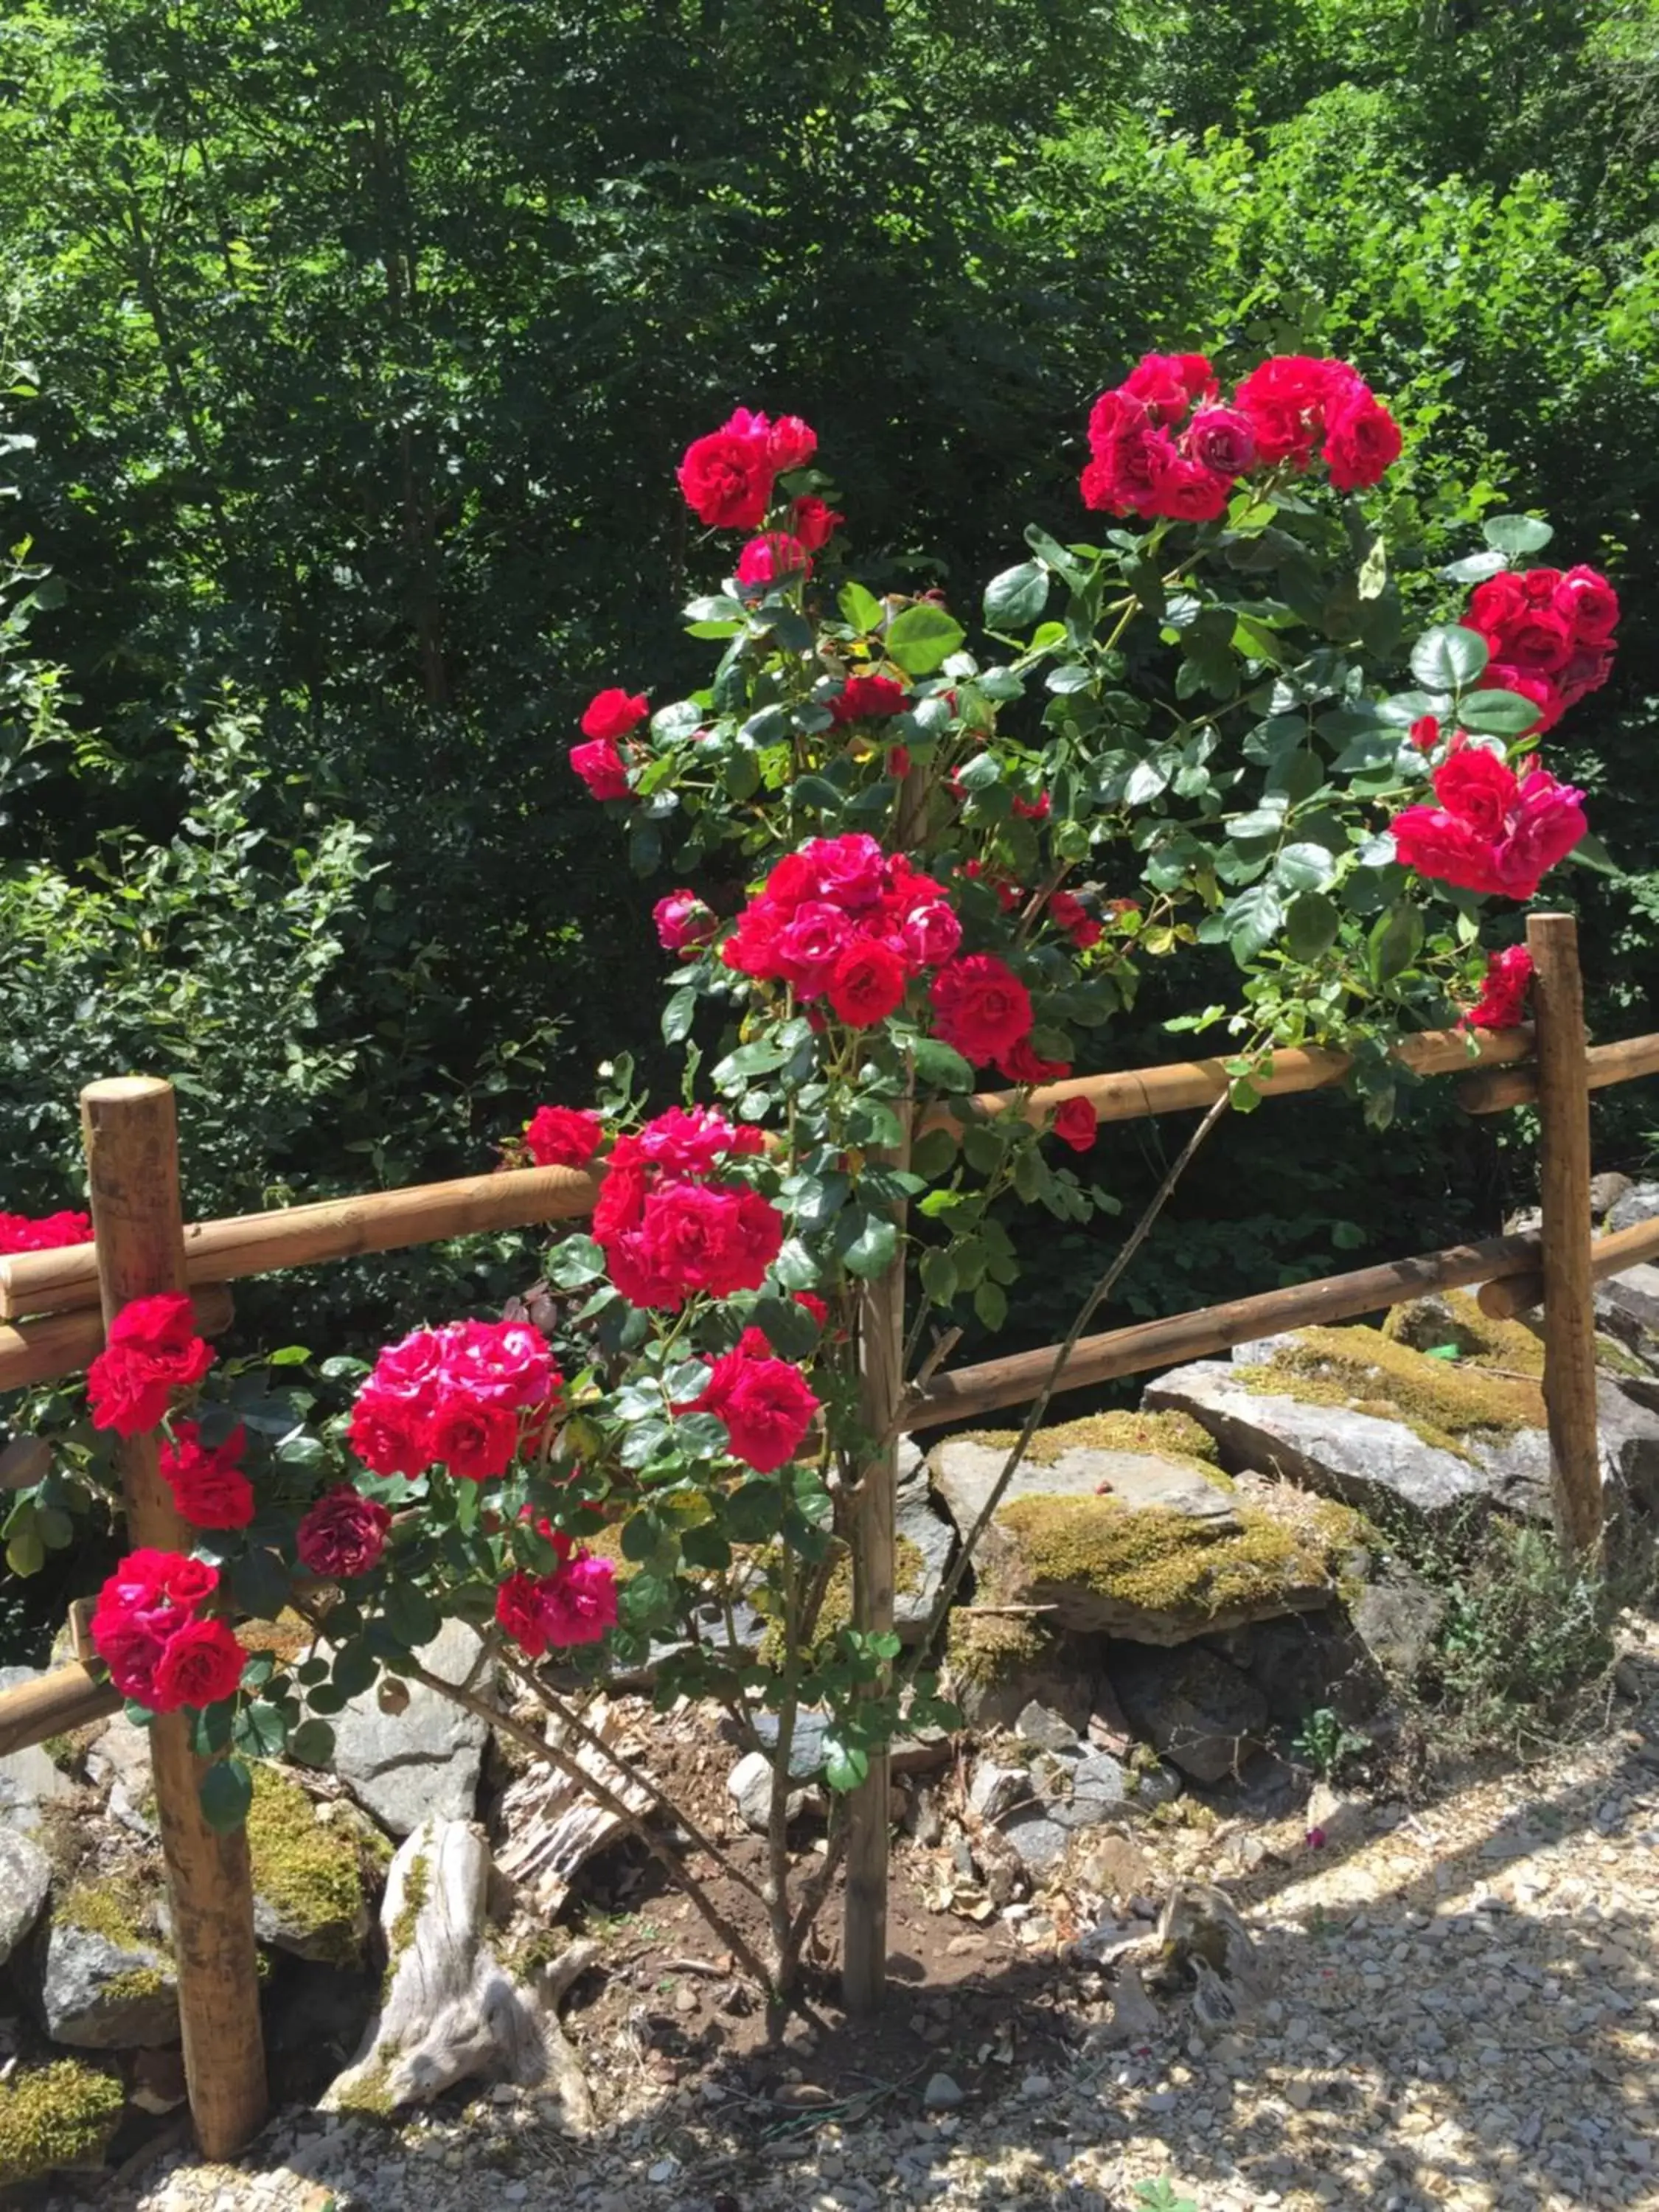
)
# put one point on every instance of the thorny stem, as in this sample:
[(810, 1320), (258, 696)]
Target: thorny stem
[(1085, 1313)]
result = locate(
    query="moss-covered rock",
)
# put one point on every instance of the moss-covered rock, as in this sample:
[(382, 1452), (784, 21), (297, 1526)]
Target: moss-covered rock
[(1450, 1406), (1000, 1662), (56, 2115), (1114, 1527), (309, 1895)]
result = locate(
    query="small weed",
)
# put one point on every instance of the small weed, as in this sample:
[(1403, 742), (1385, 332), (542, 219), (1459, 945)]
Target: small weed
[(1326, 1744), (1160, 2196)]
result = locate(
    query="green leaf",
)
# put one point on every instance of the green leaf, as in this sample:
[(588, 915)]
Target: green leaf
[(1016, 599), (291, 1355), (411, 1615), (260, 1730), (941, 1067), (874, 1246), (860, 610), (226, 1792), (311, 1743), (25, 1552), (1396, 939), (574, 1260), (933, 1155), (795, 1267), (922, 638), (1311, 925), (1590, 853), (678, 1015), (939, 1277), (1449, 657), (846, 1766), (752, 1513), (1252, 920), (1498, 713), (1474, 567), (1303, 868), (789, 1329), (991, 1304), (1516, 534)]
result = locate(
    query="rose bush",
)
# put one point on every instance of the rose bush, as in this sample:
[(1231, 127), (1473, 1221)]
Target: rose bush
[(908, 868)]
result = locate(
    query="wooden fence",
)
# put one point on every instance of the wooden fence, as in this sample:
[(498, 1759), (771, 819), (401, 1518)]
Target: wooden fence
[(54, 1305)]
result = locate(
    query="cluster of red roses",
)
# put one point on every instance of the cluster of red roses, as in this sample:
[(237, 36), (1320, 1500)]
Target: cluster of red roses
[(844, 922), (575, 1604), (19, 1232), (728, 479), (1550, 634), (208, 1485), (148, 1629), (669, 1225), (766, 1403), (609, 717), (562, 1136), (469, 1396), (1493, 831), (1502, 1003), (1148, 457), (152, 1350)]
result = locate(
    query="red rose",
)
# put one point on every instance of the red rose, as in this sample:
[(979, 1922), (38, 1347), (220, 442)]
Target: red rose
[(1076, 1124), (1166, 384), (766, 1405), (343, 1534), (208, 1485), (930, 933), (1424, 733), (563, 1136), (19, 1233), (1539, 638), (981, 1007), (200, 1663), (814, 523), (771, 558), (1479, 788), (1549, 821), (804, 952), (387, 1434), (1362, 442), (1021, 1064), (868, 699), (791, 442), (814, 1305), (1220, 439), (684, 922), (1583, 595), (613, 714), (476, 1438), (518, 1613), (579, 1603), (1442, 845), (601, 768), (152, 1351), (506, 1362), (130, 1648), (851, 871), (726, 478), (1192, 493), (1502, 998), (868, 983)]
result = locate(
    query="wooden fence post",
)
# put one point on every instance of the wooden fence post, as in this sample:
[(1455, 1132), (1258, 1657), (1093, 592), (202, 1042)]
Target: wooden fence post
[(1564, 1180), (132, 1168)]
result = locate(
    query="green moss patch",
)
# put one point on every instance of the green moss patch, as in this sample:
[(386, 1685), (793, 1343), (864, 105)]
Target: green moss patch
[(54, 2116), (119, 1907), (986, 1649), (310, 1874), (1446, 1405), (1168, 1436), (1160, 1561)]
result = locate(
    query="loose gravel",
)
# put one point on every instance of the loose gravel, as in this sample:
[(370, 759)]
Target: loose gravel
[(1459, 2010)]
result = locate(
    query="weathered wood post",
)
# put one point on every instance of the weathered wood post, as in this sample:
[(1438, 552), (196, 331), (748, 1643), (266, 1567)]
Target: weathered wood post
[(132, 1139), (1564, 1180)]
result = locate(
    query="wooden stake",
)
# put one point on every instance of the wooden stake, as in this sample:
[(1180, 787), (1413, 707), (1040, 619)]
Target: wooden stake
[(1564, 1180), (132, 1168)]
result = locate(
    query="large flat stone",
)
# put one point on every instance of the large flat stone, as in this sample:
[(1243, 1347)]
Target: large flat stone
[(97, 1995), (423, 1762), (1133, 1543)]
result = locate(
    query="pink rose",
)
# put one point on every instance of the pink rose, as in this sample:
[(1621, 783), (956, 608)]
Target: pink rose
[(805, 952), (771, 559), (684, 922), (1591, 605), (1220, 439), (931, 933), (579, 1603), (1549, 823)]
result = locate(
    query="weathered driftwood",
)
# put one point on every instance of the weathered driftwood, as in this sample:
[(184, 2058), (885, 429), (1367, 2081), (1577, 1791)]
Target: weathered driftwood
[(452, 2009), (554, 1826)]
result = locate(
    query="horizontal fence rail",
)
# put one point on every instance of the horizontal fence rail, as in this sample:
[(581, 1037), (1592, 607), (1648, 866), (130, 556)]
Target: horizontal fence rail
[(64, 1343)]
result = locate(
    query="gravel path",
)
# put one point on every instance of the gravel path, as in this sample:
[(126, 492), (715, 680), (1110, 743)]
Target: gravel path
[(1461, 2011)]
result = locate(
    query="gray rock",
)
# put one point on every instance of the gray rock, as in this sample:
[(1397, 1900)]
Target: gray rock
[(120, 1763), (423, 1762), (995, 1790), (1171, 1493), (28, 1779), (1300, 1663), (97, 1995), (1063, 1673), (1397, 1621), (1609, 1191), (1368, 1462), (1638, 1202), (942, 2094), (1198, 1710), (25, 1879), (917, 1522), (1049, 1731), (1627, 1309), (1074, 1793), (749, 1785)]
